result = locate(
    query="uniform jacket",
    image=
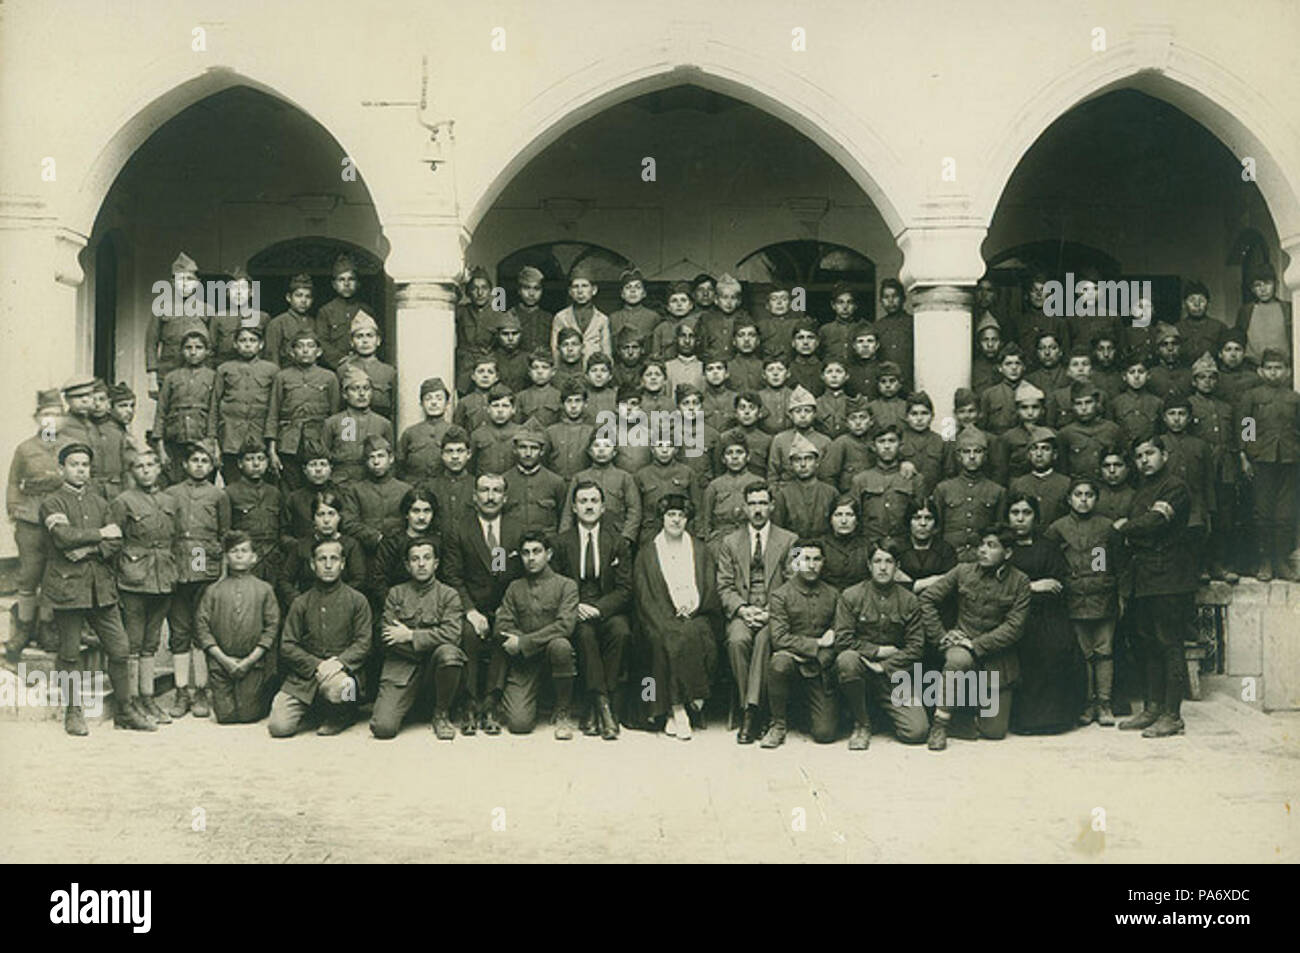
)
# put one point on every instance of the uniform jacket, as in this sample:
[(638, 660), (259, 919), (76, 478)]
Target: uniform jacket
[(280, 332), (991, 610), (296, 574), (433, 612), (241, 397), (845, 458), (735, 586), (883, 493), (1192, 461), (1136, 412), (723, 509), (239, 614), (110, 441), (1276, 411), (535, 500), (622, 499), (296, 511), (639, 318), (202, 518), (1049, 489), (715, 330), (334, 325), (800, 613), (925, 452), (455, 495), (889, 410), (568, 446), (146, 561), (832, 413), (614, 559), (534, 325), (1213, 421), (493, 447), (654, 482), (542, 403), (895, 334), (386, 569), (847, 562), (804, 506), (162, 341), (539, 609), (344, 436), (774, 401), (1092, 586), (745, 372), (373, 508), (1113, 502), (997, 409), (967, 506), (184, 402), (1163, 562), (1081, 445), (419, 450), (778, 453), (383, 381), (301, 399), (868, 616), (326, 621), (222, 329), (255, 508), (468, 564), (33, 473), (77, 573)]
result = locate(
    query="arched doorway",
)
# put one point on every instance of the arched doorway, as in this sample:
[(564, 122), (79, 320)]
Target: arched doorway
[(556, 261), (814, 266), (229, 176)]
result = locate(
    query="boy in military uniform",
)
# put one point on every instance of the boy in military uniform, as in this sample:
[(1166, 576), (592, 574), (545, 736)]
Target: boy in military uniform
[(540, 399), (837, 336), (202, 518), (471, 409), (723, 509), (166, 332), (224, 328), (184, 404), (512, 359), (493, 440), (298, 505), (602, 393), (969, 502), (475, 323), (745, 367), (634, 314), (33, 473), (241, 396), (383, 377), (1213, 421), (109, 441), (534, 494), (283, 330), (534, 321), (236, 624), (885, 489), (997, 412), (803, 654), (852, 451), (801, 408), (1271, 461), (454, 486), (335, 320), (889, 406), (1043, 482), (665, 475), (1136, 409), (803, 504), (878, 632), (863, 365), (805, 366), (256, 506), (372, 506), (421, 643), (146, 576), (569, 437), (302, 397), (81, 542), (345, 433), (1192, 461), (894, 328), (419, 449), (1087, 432), (719, 400), (922, 447), (621, 499)]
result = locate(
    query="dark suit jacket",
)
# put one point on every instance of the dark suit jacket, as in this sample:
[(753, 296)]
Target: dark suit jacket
[(615, 564), (467, 564), (733, 565)]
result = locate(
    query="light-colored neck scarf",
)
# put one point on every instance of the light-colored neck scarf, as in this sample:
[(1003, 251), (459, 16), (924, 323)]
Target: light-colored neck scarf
[(677, 562)]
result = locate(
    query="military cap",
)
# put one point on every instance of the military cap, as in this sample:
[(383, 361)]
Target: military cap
[(530, 432), (889, 369), (478, 271), (207, 445), (305, 334), (196, 332), (1204, 365), (988, 321), (251, 444), (780, 285), (48, 400), (1177, 397), (300, 280), (880, 429), (251, 325), (72, 448), (184, 265), (509, 322), (363, 320), (354, 375), (701, 278), (626, 335), (100, 386), (1027, 392), (78, 385), (864, 329), (1273, 354), (800, 397), (840, 288), (972, 437), (629, 274), (120, 392), (628, 391), (1235, 335), (684, 390), (375, 442), (713, 357), (1195, 288), (312, 449), (1166, 331), (343, 264), (856, 404), (801, 445), (725, 280), (498, 391), (530, 275), (679, 288), (1084, 389), (431, 384), (1262, 271), (807, 324), (582, 272), (733, 438), (566, 333), (1039, 434)]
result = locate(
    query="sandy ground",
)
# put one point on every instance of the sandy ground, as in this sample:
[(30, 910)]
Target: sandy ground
[(1225, 792)]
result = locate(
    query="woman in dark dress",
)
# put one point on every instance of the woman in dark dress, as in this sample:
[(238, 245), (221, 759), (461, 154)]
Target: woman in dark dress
[(1053, 680), (296, 575), (674, 583), (926, 556), (845, 551)]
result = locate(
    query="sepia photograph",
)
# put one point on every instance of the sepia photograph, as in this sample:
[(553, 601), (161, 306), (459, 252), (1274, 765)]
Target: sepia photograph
[(700, 432)]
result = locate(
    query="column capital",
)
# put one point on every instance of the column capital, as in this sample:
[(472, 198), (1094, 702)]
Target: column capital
[(425, 292), (67, 257), (424, 247), (941, 298), (942, 255), (1291, 276)]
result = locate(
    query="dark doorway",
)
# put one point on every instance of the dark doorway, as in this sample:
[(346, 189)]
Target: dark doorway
[(106, 308)]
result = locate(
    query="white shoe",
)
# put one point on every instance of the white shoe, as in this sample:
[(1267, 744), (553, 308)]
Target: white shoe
[(670, 725), (683, 724)]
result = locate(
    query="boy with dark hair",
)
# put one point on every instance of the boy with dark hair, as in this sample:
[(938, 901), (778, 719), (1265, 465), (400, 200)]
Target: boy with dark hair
[(776, 324), (1264, 321), (622, 498), (184, 402), (512, 359), (241, 397), (997, 412), (719, 399), (969, 502), (568, 356), (894, 328), (570, 436), (165, 332), (984, 364), (723, 508), (680, 312), (256, 506), (302, 397), (682, 365), (922, 447), (335, 317), (236, 624), (852, 451), (1169, 373), (1087, 432), (885, 489), (475, 322), (749, 422), (372, 504), (1213, 421), (540, 400), (1136, 409), (1236, 376), (805, 366), (837, 335), (383, 377), (1078, 370), (1009, 452), (225, 327), (1049, 487), (802, 412), (746, 365), (889, 406), (602, 394), (454, 486), (298, 506), (863, 365), (1201, 333), (471, 409), (419, 449), (803, 503), (629, 357), (1270, 460), (492, 441), (1105, 370), (534, 320), (634, 320), (666, 475), (1048, 374), (534, 495), (283, 329), (832, 403), (345, 433)]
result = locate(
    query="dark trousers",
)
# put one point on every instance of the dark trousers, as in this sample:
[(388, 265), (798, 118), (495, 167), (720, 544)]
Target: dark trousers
[(439, 674), (600, 645), (1275, 508), (860, 685), (1163, 623), (142, 617), (478, 660), (971, 722), (106, 623), (243, 700), (291, 475), (523, 681), (785, 680), (180, 616)]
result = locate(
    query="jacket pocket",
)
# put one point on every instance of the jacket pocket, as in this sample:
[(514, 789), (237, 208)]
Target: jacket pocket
[(132, 570)]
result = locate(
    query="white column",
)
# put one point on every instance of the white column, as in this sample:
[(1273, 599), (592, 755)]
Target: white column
[(426, 342), (941, 264), (1290, 291)]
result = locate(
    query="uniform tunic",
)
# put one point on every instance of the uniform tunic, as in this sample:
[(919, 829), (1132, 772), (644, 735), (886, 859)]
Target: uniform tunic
[(184, 403), (832, 412), (869, 615), (997, 409), (1049, 488), (455, 495), (759, 443), (223, 328), (884, 494), (639, 318), (327, 621), (568, 441), (1200, 336), (433, 613), (77, 573), (110, 442), (535, 499), (383, 381), (493, 447), (656, 481), (723, 507), (992, 607), (33, 472), (541, 403), (280, 332), (837, 338), (1081, 445), (387, 568), (538, 608), (297, 510), (1192, 461), (534, 327), (241, 396), (1213, 421), (924, 451), (800, 613), (1163, 563), (967, 505), (847, 562), (301, 399), (255, 508), (419, 450), (296, 574), (774, 401), (845, 458), (373, 507), (344, 437), (862, 376), (1113, 502), (622, 499), (806, 371), (716, 329), (778, 453), (202, 518), (895, 334), (334, 325), (1091, 586), (1137, 413), (146, 562), (804, 506), (162, 341), (237, 614), (745, 372), (888, 410)]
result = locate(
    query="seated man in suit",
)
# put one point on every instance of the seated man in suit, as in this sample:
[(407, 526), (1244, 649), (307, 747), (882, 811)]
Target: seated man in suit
[(752, 564), (482, 557), (534, 630), (595, 556)]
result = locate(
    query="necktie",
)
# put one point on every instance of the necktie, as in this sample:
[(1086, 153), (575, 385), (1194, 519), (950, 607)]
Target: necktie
[(758, 551), (589, 559), (492, 537)]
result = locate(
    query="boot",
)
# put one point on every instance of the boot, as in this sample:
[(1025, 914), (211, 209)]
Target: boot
[(563, 726), (860, 740), (74, 722), (140, 709), (1105, 717), (1164, 726), (180, 702), (154, 710), (608, 723), (1142, 720), (469, 720), (774, 736), (1089, 714), (491, 723), (938, 739), (200, 707), (748, 733), (129, 716)]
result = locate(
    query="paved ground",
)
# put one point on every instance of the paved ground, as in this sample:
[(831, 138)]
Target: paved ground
[(1226, 792)]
